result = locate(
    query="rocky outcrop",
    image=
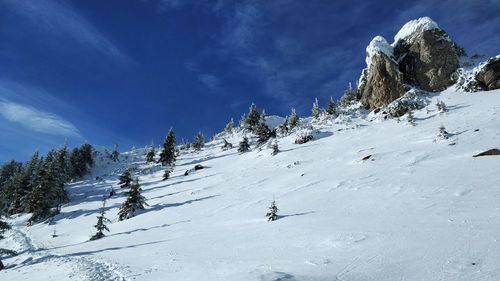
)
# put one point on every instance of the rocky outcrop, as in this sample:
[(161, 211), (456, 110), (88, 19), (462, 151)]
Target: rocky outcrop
[(381, 82), (427, 56), (422, 56), (489, 75)]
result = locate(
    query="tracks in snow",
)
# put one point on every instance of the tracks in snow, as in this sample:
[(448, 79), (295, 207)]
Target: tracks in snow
[(79, 268)]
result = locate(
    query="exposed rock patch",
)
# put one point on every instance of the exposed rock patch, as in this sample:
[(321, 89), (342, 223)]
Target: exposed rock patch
[(489, 75)]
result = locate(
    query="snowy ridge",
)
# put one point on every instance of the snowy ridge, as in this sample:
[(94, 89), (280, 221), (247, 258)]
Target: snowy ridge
[(413, 27), (417, 208), (378, 45)]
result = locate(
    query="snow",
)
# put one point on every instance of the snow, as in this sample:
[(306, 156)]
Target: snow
[(274, 121), (414, 27), (377, 46), (415, 210)]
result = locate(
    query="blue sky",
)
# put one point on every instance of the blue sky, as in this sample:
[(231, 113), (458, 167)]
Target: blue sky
[(125, 71)]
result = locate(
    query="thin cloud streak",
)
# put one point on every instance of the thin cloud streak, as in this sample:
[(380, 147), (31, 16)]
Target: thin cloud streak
[(61, 19), (37, 120)]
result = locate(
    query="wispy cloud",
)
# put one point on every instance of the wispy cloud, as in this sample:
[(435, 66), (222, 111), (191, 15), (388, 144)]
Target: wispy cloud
[(209, 80), (37, 120), (61, 19)]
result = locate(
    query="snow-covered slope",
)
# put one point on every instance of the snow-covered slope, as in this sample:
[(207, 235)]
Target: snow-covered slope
[(417, 209)]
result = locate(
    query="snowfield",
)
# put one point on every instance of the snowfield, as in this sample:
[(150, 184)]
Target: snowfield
[(417, 209)]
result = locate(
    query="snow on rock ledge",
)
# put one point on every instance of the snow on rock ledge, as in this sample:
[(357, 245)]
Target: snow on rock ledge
[(376, 46), (415, 27)]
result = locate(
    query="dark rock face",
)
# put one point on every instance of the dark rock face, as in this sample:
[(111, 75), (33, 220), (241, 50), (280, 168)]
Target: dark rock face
[(489, 76), (383, 82), (490, 152), (428, 61)]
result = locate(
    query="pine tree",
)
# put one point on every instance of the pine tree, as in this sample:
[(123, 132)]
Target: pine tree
[(275, 148), (150, 156), (244, 145), (442, 133), (349, 96), (332, 107), (410, 118), (316, 111), (135, 201), (39, 202), (101, 223), (252, 118), (167, 155), (283, 127), (294, 120), (229, 127), (199, 142), (262, 130), (441, 106), (125, 179), (272, 215), (115, 155)]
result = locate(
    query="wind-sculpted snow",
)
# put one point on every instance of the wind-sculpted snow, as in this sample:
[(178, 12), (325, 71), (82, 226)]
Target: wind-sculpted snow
[(415, 209)]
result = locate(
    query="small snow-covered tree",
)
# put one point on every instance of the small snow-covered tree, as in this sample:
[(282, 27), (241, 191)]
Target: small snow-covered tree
[(251, 120), (199, 142), (441, 106), (283, 127), (167, 155), (272, 215), (316, 111), (294, 119), (350, 95), (331, 109), (410, 118), (442, 134), (229, 127), (262, 130), (125, 179), (275, 148), (150, 156), (244, 145), (135, 201), (101, 223)]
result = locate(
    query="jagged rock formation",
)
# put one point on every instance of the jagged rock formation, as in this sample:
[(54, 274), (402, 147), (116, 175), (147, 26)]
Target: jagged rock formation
[(426, 55), (422, 56), (381, 82), (489, 75)]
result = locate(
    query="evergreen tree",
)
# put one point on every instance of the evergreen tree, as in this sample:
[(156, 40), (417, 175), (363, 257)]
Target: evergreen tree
[(199, 142), (441, 106), (150, 156), (262, 130), (229, 127), (272, 215), (442, 133), (410, 118), (252, 118), (294, 120), (349, 96), (101, 223), (39, 202), (316, 111), (283, 127), (275, 148), (244, 145), (135, 201), (332, 107), (115, 155), (125, 179), (167, 155)]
